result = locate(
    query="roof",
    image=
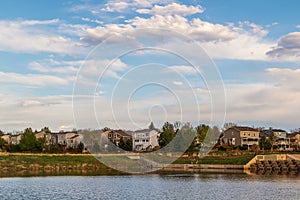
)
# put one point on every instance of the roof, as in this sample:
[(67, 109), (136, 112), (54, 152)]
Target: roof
[(278, 130), (291, 135), (75, 136), (244, 128)]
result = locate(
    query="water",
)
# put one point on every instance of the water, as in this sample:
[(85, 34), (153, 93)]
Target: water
[(199, 186)]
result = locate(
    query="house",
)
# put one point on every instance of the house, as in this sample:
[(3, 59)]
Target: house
[(6, 138), (282, 142), (58, 138), (241, 136), (144, 140), (116, 135), (15, 139), (73, 140), (42, 134), (294, 140)]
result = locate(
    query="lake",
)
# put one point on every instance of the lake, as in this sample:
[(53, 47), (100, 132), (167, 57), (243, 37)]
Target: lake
[(177, 186)]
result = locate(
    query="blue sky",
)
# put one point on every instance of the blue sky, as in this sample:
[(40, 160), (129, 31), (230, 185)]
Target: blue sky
[(87, 64)]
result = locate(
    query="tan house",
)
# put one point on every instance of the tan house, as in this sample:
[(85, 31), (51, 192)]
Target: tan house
[(42, 134), (241, 136), (67, 139), (6, 138), (72, 140), (294, 140)]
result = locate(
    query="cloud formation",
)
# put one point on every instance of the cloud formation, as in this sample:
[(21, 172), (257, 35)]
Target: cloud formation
[(172, 9), (288, 46)]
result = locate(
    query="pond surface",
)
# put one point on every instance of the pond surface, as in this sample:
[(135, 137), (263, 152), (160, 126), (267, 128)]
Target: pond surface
[(177, 186)]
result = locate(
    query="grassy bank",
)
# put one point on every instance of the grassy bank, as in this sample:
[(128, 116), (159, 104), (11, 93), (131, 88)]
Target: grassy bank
[(44, 164)]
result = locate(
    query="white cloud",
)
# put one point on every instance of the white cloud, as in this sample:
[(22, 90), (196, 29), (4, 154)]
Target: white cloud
[(288, 47), (172, 9), (177, 83), (63, 68), (35, 36), (182, 69), (115, 6), (33, 79), (36, 112), (267, 104)]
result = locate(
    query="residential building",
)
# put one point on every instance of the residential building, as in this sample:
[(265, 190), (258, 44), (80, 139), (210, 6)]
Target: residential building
[(42, 134), (294, 141), (73, 140), (116, 135), (6, 138), (15, 139), (241, 136), (145, 140), (282, 142)]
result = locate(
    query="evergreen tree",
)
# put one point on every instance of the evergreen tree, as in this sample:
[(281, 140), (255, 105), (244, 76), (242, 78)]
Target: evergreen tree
[(28, 140)]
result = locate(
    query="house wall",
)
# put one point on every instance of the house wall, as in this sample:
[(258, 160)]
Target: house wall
[(231, 133), (144, 140)]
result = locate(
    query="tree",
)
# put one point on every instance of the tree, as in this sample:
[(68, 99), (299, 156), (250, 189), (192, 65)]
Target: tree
[(151, 126), (2, 143), (264, 143), (40, 143), (272, 139), (228, 125), (201, 131), (80, 147), (1, 132), (167, 134), (46, 130), (125, 145), (28, 140)]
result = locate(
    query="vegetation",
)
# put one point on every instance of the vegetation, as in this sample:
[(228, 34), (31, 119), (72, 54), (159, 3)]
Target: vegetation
[(127, 146)]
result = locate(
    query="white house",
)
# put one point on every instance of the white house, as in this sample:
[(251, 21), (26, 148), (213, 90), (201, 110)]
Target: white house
[(144, 140)]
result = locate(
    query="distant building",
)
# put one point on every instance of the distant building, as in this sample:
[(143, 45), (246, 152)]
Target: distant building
[(116, 135), (67, 139), (294, 141), (282, 141), (15, 139), (144, 140), (241, 136)]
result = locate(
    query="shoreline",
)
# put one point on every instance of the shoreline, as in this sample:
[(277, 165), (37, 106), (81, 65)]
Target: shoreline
[(29, 164)]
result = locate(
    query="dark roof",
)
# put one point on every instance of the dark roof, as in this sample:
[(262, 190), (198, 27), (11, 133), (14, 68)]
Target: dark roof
[(142, 131), (75, 136), (244, 128), (292, 134), (278, 130), (122, 133)]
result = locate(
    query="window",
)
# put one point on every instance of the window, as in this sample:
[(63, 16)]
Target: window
[(248, 133), (143, 140), (109, 136), (147, 140), (254, 134), (244, 134)]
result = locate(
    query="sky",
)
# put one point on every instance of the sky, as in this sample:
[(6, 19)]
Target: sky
[(122, 64)]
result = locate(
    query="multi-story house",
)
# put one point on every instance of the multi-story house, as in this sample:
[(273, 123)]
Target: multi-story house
[(281, 140), (241, 136), (144, 140), (294, 140)]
